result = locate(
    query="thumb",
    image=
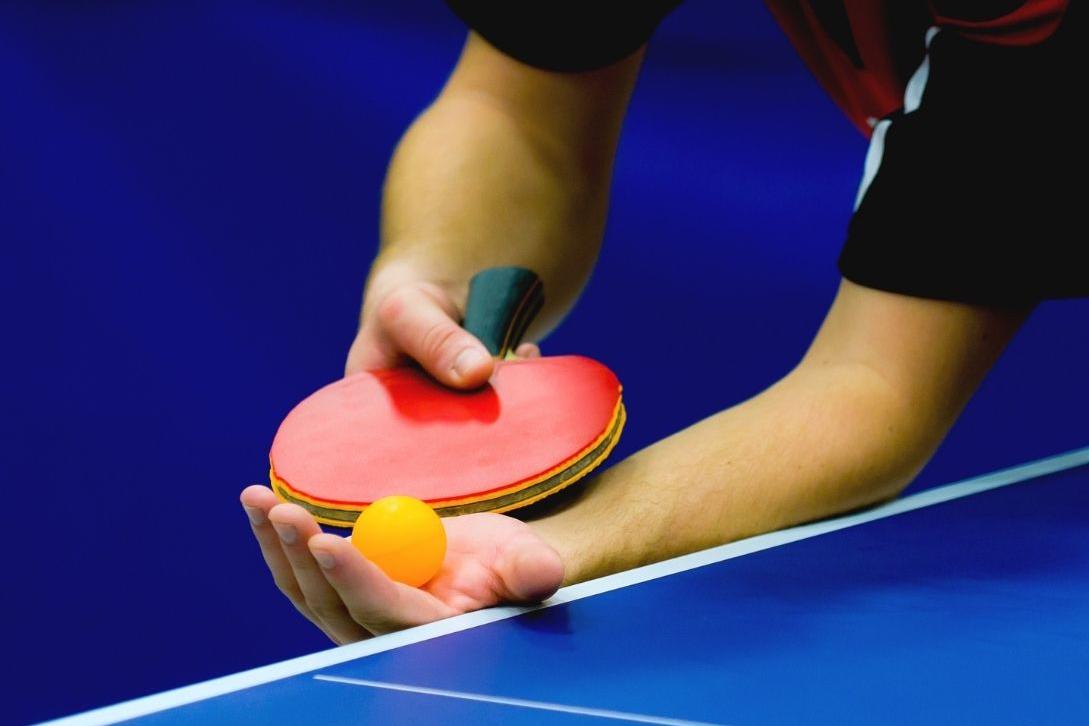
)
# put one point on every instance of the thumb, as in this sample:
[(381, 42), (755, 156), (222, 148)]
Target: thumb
[(530, 570), (419, 320)]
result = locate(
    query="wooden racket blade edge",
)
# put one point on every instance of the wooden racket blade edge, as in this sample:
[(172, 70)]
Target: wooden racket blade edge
[(562, 479), (503, 500)]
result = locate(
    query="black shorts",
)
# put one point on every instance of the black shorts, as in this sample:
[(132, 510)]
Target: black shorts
[(973, 191)]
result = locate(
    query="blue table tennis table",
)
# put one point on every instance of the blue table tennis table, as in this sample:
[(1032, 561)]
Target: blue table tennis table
[(967, 603)]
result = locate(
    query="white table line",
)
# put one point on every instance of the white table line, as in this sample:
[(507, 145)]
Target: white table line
[(516, 702)]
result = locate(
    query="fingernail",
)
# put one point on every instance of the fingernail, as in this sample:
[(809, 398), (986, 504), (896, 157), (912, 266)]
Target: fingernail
[(287, 533), (325, 559), (467, 360), (256, 515)]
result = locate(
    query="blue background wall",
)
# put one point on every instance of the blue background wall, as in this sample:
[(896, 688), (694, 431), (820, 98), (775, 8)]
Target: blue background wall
[(188, 204)]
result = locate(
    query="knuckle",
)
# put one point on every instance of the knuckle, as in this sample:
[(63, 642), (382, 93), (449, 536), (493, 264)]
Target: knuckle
[(376, 623), (287, 586), (392, 307), (305, 612), (438, 338), (323, 610)]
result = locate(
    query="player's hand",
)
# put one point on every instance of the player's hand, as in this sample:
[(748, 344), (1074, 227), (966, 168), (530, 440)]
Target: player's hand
[(490, 559), (408, 316)]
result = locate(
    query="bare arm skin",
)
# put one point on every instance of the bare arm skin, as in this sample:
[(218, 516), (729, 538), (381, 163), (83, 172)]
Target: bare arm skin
[(511, 166), (850, 426)]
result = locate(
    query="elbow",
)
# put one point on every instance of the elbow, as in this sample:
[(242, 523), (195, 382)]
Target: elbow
[(876, 439)]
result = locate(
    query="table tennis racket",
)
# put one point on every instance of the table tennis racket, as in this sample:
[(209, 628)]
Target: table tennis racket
[(537, 426)]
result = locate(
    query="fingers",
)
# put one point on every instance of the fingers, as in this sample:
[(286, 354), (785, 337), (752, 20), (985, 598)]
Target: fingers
[(327, 580), (372, 599), (294, 527), (528, 350), (530, 570), (258, 501), (369, 353), (420, 320), (348, 597)]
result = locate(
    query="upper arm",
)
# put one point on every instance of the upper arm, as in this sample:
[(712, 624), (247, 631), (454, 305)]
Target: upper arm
[(579, 112), (927, 355)]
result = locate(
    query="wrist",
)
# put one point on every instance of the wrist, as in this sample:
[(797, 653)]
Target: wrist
[(586, 537), (557, 535)]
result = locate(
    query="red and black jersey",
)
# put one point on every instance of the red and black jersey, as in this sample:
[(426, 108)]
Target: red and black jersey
[(966, 192), (864, 52)]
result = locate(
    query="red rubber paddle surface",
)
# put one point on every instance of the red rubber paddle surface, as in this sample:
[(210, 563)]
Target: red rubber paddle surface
[(399, 432)]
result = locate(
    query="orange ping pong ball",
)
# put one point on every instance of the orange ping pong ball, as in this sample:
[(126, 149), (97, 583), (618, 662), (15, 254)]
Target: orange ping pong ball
[(403, 536)]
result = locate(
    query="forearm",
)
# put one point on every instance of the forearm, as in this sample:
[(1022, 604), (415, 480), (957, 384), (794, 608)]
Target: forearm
[(824, 440), (469, 189), (884, 380), (510, 166)]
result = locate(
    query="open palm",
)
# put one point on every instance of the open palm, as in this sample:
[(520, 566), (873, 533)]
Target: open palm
[(490, 559)]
